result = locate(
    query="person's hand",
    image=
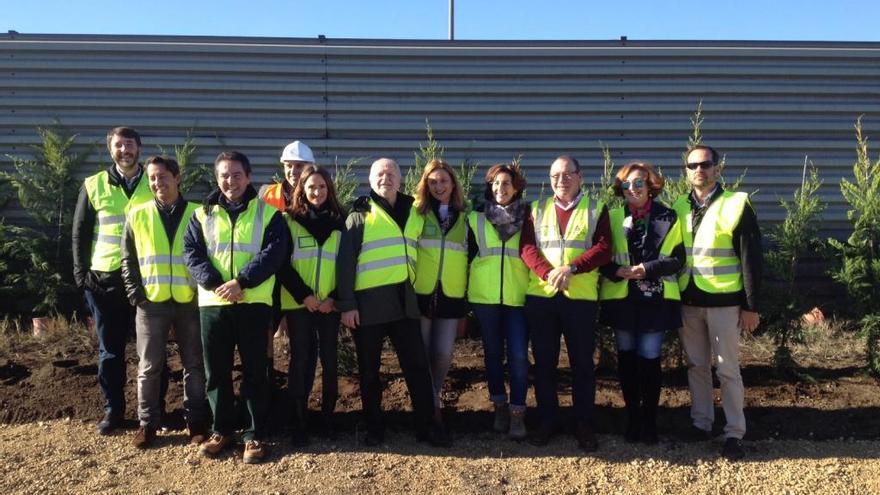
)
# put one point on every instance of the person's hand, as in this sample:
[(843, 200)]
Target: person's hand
[(311, 303), (748, 320), (230, 291), (638, 272), (327, 306), (559, 277), (624, 272), (351, 319)]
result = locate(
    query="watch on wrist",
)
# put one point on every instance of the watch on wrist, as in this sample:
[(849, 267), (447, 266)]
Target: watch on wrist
[(573, 268)]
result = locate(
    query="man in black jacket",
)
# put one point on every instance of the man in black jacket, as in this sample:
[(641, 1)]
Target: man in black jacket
[(98, 221), (233, 246)]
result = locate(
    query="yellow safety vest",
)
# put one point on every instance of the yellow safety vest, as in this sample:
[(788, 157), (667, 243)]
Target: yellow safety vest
[(316, 264), (442, 257), (111, 205), (609, 290), (231, 248), (561, 249), (497, 275), (711, 259), (388, 255), (163, 272)]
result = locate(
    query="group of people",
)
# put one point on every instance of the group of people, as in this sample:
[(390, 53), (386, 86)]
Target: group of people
[(224, 273)]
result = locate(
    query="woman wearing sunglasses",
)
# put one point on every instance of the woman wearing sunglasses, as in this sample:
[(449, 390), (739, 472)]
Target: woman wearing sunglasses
[(639, 292)]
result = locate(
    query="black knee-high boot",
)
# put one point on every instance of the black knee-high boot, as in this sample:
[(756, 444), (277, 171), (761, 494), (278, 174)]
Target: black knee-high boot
[(650, 378), (627, 366)]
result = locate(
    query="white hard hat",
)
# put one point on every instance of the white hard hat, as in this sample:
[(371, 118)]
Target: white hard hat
[(297, 152)]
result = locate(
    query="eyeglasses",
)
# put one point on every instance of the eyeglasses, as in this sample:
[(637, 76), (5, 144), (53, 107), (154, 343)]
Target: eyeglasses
[(703, 165), (638, 184), (566, 176)]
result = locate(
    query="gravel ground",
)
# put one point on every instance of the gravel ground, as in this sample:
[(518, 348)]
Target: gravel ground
[(66, 456)]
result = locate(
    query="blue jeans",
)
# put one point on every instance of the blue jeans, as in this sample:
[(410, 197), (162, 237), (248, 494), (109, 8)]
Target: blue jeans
[(646, 344), (549, 319), (500, 324), (114, 321)]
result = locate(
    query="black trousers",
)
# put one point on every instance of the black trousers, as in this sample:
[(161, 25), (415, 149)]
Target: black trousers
[(311, 335), (406, 337)]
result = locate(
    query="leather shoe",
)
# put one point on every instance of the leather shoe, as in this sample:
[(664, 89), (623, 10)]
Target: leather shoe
[(586, 438), (437, 435), (108, 424), (197, 433), (542, 435), (144, 437), (694, 434), (732, 450), (374, 437)]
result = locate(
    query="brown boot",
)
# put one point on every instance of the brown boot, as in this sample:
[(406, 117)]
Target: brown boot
[(214, 445), (144, 437), (197, 433)]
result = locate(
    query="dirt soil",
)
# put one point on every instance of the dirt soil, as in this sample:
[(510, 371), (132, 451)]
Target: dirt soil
[(814, 431)]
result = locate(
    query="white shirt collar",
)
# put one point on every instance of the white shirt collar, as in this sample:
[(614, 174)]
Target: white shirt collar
[(571, 205)]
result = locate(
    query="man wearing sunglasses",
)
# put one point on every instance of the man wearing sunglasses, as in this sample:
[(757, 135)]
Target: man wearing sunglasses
[(719, 287)]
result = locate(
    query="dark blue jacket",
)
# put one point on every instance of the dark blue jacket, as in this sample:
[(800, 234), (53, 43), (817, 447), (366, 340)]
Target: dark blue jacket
[(276, 243)]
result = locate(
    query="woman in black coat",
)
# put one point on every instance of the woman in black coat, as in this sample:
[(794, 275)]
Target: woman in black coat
[(639, 291)]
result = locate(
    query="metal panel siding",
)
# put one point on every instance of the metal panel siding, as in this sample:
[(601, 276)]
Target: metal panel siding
[(767, 104)]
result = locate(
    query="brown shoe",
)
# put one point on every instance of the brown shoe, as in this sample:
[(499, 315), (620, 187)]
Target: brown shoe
[(254, 452), (215, 444), (144, 437), (197, 433)]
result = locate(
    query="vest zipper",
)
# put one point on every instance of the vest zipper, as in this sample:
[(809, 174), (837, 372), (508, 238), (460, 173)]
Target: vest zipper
[(232, 248), (318, 273), (442, 256)]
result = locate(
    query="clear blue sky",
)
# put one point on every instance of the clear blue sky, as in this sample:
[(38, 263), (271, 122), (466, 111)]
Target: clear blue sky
[(845, 20)]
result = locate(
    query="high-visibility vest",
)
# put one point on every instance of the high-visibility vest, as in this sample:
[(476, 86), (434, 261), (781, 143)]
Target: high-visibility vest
[(609, 290), (273, 195), (497, 274), (562, 249), (711, 259), (111, 205), (388, 255), (231, 247), (315, 263), (442, 257), (163, 273)]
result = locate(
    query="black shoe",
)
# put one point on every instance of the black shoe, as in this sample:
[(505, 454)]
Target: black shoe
[(109, 424), (586, 438), (542, 435), (327, 426), (633, 431), (732, 450), (299, 437), (437, 435), (374, 437), (694, 434)]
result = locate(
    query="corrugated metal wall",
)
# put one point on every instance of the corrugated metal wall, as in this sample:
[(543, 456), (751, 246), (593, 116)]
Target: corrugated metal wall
[(766, 105)]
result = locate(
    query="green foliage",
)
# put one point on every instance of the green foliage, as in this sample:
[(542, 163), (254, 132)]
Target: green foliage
[(604, 190), (192, 174), (427, 152), (346, 357), (346, 182), (47, 191), (680, 185), (858, 269), (795, 237), (465, 175)]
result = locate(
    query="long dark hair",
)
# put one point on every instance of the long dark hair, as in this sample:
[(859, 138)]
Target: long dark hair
[(299, 204)]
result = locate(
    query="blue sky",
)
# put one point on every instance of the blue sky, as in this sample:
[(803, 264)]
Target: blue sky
[(847, 20)]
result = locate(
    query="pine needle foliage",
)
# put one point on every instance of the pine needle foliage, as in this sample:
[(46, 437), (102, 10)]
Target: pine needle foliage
[(47, 190), (193, 175), (858, 269), (426, 152), (791, 241), (346, 182)]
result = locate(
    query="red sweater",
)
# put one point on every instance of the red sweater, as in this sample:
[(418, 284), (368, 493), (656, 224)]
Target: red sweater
[(599, 254)]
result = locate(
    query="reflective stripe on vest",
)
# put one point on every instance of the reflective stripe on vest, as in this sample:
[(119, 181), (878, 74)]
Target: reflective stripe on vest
[(388, 255), (163, 272), (111, 205), (497, 274), (559, 249), (316, 264), (711, 258), (442, 257), (273, 195), (231, 247), (609, 290)]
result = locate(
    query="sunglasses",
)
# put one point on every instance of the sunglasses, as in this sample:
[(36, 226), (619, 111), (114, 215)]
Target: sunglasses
[(703, 165), (638, 184)]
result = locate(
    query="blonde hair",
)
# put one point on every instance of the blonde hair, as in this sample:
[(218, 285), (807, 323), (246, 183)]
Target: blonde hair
[(423, 195)]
